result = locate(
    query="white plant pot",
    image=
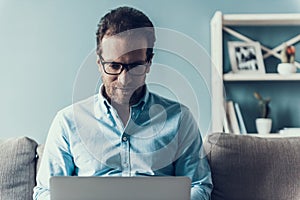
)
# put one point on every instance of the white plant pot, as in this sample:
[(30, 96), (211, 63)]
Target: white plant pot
[(286, 68), (263, 125)]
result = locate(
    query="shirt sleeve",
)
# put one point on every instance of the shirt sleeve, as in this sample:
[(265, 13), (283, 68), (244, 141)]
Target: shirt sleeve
[(192, 161), (56, 160)]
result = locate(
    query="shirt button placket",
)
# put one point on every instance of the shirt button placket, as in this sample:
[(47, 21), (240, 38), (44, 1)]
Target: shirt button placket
[(125, 155)]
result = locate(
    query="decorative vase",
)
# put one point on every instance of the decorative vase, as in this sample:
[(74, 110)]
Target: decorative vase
[(263, 125), (286, 68)]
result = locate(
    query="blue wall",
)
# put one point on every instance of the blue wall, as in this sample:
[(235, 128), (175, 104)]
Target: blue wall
[(43, 44)]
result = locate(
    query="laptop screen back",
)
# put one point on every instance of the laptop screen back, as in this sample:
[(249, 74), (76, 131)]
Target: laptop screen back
[(120, 188)]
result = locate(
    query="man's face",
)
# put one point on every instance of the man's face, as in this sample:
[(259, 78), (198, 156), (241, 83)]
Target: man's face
[(120, 88)]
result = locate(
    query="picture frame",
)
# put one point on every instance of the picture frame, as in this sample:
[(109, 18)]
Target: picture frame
[(246, 57)]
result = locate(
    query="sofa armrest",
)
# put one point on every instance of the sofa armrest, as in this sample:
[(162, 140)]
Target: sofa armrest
[(17, 168), (247, 167)]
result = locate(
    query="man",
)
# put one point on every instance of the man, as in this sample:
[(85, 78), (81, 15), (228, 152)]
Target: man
[(125, 130)]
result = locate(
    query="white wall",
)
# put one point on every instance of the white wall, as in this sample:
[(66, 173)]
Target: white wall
[(44, 43)]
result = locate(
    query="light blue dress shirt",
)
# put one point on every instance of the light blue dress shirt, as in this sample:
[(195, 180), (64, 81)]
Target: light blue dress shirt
[(89, 139)]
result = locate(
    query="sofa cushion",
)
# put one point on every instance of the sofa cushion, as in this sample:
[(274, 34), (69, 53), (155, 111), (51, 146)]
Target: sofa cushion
[(17, 168), (249, 167)]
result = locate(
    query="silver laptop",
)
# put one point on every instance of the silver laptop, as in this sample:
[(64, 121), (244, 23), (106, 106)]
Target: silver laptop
[(120, 188)]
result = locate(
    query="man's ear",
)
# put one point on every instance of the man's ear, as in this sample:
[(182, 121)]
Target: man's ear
[(148, 68), (98, 63), (149, 63)]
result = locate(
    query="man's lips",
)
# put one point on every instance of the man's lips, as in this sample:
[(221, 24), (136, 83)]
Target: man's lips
[(125, 88)]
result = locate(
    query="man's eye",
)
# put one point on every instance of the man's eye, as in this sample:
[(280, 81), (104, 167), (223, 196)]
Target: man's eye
[(115, 66), (134, 65)]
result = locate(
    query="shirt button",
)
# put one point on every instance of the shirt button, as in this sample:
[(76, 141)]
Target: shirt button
[(124, 139)]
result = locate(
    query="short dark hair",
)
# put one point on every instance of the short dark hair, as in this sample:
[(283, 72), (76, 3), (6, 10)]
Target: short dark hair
[(124, 19)]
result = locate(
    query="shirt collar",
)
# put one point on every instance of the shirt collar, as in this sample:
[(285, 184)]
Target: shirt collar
[(101, 105)]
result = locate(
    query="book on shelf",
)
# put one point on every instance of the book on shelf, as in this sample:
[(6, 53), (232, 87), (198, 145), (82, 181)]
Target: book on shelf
[(242, 126), (233, 120)]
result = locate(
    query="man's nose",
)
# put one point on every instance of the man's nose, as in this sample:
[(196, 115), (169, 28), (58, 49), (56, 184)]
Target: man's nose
[(124, 78)]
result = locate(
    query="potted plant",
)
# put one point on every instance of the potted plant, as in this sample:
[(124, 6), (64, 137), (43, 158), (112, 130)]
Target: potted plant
[(263, 123), (287, 60)]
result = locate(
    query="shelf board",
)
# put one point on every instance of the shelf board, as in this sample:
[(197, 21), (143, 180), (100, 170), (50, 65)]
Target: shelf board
[(261, 19), (261, 77)]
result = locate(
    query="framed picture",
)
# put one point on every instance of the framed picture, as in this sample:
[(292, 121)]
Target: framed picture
[(246, 57)]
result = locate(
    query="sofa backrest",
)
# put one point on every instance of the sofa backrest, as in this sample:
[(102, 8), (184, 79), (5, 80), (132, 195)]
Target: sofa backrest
[(249, 167), (243, 167)]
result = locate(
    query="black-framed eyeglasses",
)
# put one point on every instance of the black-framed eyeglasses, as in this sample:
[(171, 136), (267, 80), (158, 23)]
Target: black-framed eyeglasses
[(116, 68)]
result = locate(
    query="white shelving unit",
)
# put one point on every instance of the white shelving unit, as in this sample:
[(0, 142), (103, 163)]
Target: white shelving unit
[(221, 23)]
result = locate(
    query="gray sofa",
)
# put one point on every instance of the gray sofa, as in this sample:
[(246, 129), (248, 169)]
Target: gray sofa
[(253, 168), (243, 167)]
